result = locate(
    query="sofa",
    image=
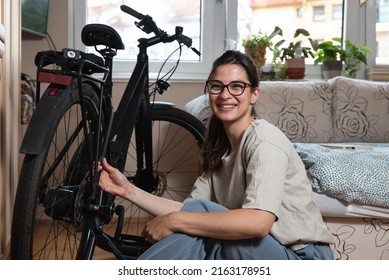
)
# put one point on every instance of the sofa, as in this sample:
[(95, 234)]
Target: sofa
[(340, 128)]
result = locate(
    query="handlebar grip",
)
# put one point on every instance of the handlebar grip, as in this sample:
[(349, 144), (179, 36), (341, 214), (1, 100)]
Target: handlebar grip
[(132, 12)]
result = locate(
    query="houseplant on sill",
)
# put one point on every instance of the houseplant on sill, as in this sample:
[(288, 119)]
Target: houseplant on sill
[(332, 52), (257, 44), (295, 53), (329, 54), (353, 56)]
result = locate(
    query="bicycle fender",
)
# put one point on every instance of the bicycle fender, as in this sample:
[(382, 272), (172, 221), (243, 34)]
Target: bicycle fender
[(162, 104), (53, 103)]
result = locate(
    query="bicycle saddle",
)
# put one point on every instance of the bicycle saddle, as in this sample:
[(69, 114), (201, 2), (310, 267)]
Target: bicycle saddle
[(100, 34)]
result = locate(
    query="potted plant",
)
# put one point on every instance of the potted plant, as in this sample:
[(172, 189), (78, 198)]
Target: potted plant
[(256, 46), (329, 55), (276, 70), (353, 56), (295, 53)]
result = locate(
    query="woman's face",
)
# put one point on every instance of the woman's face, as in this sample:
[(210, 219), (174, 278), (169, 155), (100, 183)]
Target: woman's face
[(227, 107)]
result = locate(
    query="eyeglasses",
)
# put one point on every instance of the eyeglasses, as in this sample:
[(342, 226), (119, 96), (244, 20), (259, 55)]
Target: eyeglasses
[(235, 88)]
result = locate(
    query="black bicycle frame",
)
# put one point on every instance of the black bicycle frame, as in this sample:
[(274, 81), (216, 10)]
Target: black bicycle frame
[(135, 110)]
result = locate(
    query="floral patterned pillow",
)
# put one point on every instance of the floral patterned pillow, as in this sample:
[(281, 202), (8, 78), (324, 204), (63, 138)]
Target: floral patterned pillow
[(361, 110), (302, 110)]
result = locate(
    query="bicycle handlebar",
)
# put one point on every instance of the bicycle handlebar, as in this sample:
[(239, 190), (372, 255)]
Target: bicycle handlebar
[(132, 12), (148, 25)]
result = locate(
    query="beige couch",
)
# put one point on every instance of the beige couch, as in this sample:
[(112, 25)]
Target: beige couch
[(338, 110), (342, 112)]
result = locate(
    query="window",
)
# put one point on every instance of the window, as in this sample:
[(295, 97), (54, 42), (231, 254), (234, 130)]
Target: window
[(199, 19), (337, 12), (318, 13), (382, 11), (266, 16), (178, 13), (382, 32), (300, 12), (224, 24)]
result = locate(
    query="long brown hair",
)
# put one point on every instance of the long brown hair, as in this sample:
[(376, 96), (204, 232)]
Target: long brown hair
[(216, 141)]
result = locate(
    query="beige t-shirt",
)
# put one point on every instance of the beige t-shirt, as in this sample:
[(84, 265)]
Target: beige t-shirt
[(265, 172)]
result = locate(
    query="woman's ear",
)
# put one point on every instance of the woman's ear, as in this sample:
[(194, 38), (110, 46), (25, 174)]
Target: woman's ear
[(255, 95)]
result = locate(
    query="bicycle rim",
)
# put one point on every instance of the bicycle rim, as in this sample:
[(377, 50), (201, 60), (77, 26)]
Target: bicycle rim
[(48, 220), (177, 138)]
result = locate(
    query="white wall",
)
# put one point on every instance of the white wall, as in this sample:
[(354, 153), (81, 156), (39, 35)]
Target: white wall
[(9, 118)]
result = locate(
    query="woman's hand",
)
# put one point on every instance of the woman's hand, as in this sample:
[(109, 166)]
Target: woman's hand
[(158, 228), (113, 181)]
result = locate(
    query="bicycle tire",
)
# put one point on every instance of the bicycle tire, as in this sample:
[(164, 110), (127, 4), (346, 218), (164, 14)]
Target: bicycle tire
[(177, 138), (34, 235)]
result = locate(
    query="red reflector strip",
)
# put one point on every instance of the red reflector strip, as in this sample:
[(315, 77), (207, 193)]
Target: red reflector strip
[(53, 92), (45, 77)]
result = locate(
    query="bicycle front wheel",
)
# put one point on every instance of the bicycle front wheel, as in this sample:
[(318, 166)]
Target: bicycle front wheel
[(177, 137), (48, 219)]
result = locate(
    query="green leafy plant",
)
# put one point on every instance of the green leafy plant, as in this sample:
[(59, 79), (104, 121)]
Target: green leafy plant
[(257, 44), (293, 47), (329, 50), (353, 56), (262, 39)]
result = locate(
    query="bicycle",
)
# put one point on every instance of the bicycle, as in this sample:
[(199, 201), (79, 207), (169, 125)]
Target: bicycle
[(60, 212)]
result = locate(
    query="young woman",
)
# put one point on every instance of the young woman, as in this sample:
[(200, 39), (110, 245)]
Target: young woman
[(253, 201)]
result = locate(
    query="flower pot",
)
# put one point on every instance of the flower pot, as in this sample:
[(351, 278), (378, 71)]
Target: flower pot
[(295, 68), (257, 54), (331, 68)]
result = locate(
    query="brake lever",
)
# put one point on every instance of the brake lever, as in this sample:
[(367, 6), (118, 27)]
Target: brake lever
[(195, 51), (181, 38), (144, 27), (187, 42)]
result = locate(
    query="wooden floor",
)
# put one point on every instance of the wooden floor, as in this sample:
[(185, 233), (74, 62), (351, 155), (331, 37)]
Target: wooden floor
[(54, 246)]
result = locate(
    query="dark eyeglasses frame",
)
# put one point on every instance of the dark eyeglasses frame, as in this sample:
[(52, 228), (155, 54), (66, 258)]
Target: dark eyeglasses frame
[(226, 86)]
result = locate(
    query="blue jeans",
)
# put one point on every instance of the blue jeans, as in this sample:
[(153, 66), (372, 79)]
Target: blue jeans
[(180, 246)]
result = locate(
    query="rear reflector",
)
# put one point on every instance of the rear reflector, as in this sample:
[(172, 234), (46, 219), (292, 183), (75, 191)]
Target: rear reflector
[(53, 92), (45, 77)]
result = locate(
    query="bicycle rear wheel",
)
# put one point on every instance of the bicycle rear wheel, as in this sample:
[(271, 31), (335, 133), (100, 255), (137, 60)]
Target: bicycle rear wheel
[(177, 139), (48, 219)]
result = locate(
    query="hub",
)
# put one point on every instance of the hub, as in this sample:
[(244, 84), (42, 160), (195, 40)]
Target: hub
[(59, 202)]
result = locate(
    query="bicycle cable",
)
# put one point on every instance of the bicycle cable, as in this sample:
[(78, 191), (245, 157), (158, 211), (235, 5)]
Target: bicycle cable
[(157, 84)]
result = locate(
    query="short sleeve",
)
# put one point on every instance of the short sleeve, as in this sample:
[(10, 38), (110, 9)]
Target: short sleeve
[(201, 188), (266, 171)]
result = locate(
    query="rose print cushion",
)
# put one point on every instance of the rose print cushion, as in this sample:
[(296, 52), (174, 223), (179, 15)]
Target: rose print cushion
[(361, 110), (302, 110)]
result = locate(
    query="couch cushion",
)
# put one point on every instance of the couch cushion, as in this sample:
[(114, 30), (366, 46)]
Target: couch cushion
[(361, 110), (302, 110)]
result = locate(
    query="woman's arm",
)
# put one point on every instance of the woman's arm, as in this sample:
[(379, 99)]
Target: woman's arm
[(231, 224), (113, 181)]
